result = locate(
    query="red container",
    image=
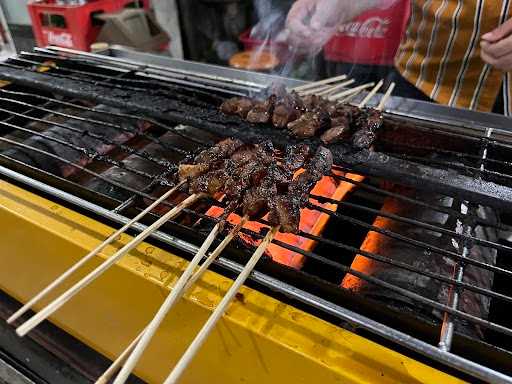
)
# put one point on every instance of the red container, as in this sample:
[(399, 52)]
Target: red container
[(371, 38), (277, 48), (70, 26)]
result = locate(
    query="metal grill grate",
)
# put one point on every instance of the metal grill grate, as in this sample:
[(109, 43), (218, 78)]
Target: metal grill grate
[(114, 161)]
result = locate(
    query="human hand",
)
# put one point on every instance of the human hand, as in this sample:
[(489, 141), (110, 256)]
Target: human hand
[(311, 23), (496, 47)]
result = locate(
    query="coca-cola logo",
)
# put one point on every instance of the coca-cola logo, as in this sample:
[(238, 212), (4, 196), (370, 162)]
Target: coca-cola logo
[(62, 39), (371, 28)]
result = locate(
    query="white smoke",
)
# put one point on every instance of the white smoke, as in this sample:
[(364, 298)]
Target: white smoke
[(270, 31)]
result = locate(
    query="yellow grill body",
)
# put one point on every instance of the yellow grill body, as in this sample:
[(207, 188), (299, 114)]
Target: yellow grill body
[(259, 340)]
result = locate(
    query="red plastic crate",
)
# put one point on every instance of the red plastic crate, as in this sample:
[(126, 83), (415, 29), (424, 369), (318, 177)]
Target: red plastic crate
[(70, 26), (371, 38)]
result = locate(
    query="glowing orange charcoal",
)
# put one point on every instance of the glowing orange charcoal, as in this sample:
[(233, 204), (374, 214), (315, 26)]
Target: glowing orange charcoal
[(311, 221)]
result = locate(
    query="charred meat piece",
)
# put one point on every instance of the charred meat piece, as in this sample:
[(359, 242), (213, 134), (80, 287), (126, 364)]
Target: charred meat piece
[(319, 165), (286, 208), (190, 171), (309, 124), (239, 106), (340, 128), (363, 139), (343, 110), (262, 111), (374, 120), (286, 212), (312, 102), (295, 157), (246, 168), (210, 183), (219, 151), (259, 199), (284, 112), (208, 159), (369, 123)]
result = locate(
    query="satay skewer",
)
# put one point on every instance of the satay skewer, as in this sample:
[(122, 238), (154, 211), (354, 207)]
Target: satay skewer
[(219, 311), (316, 84), (135, 350), (42, 315), (54, 284)]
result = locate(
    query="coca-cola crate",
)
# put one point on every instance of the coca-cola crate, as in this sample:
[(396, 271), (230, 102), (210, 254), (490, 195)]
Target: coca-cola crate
[(371, 38), (72, 26)]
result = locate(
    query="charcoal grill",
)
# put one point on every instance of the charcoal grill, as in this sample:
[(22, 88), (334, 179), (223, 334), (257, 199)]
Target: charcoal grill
[(95, 137)]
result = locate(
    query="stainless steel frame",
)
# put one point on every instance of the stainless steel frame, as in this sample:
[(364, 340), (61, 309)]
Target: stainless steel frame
[(483, 124)]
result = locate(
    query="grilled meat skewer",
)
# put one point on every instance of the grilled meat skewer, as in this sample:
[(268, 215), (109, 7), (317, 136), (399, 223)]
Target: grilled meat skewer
[(251, 176), (262, 111), (370, 123), (288, 109), (208, 158), (310, 116), (286, 208), (239, 106), (310, 123)]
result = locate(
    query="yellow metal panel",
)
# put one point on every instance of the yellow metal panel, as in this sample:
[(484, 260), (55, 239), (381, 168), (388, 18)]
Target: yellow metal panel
[(259, 340)]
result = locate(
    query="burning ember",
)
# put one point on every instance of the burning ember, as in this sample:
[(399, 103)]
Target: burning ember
[(311, 221)]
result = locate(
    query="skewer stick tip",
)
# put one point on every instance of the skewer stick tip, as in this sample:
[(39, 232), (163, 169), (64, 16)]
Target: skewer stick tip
[(386, 97), (371, 94)]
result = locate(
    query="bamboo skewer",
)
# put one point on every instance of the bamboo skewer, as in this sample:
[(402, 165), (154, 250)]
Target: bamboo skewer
[(336, 88), (117, 364), (66, 296), (316, 84), (386, 97), (88, 257), (350, 92), (137, 347), (219, 311), (315, 90), (371, 94)]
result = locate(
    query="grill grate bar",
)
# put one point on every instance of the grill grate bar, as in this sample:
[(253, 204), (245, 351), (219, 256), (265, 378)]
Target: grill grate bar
[(139, 194), (466, 134), (384, 192), (90, 154), (448, 325), (129, 150), (435, 250), (383, 284), (109, 113), (417, 223), (472, 170), (461, 155)]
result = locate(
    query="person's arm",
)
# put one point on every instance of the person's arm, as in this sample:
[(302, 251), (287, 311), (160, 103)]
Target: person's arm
[(310, 23), (496, 47)]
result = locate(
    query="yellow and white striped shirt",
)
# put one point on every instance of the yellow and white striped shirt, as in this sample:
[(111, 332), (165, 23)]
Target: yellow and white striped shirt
[(440, 53)]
